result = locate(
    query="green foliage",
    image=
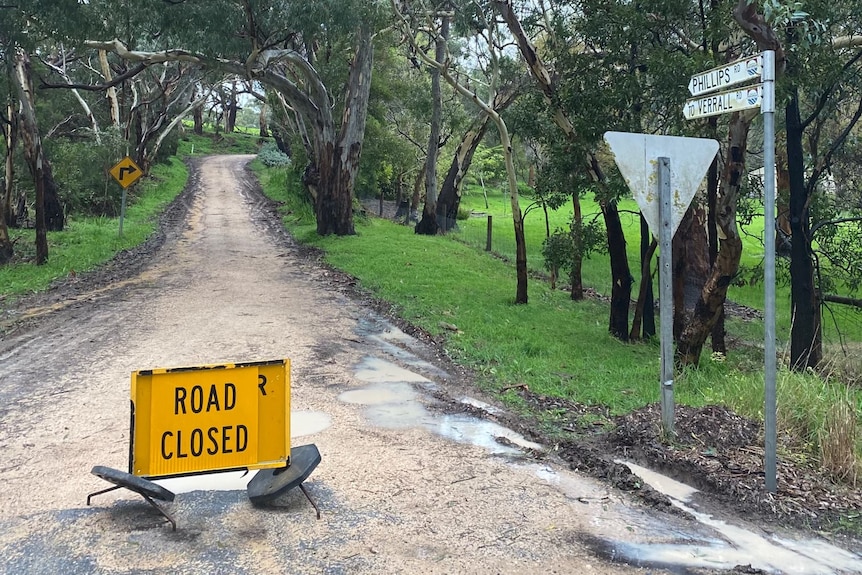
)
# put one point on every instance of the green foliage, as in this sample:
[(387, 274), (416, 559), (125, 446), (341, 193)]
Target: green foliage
[(271, 157), (90, 241), (555, 346), (81, 171)]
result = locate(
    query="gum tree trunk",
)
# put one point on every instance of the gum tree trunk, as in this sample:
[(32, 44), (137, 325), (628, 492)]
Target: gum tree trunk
[(428, 225), (338, 159), (806, 349), (49, 212)]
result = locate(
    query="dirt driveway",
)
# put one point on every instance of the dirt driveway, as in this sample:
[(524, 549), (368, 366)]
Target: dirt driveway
[(406, 484)]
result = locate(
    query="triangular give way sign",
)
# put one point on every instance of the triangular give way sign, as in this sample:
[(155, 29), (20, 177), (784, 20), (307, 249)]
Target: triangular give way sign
[(637, 158)]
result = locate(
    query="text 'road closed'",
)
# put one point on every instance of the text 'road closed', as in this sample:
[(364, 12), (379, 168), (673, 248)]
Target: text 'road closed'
[(212, 418)]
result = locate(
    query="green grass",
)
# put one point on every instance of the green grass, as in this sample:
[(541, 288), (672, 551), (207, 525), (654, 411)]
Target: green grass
[(556, 346), (192, 144), (89, 242)]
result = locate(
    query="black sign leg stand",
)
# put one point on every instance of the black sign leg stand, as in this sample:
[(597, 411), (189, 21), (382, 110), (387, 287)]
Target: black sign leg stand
[(269, 484), (143, 487)]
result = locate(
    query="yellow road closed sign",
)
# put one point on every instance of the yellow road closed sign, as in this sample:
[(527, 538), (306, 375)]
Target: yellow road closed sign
[(210, 418)]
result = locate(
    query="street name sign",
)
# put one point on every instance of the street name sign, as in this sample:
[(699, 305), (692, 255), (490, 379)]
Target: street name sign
[(745, 98), (725, 76), (210, 418), (126, 172), (637, 157)]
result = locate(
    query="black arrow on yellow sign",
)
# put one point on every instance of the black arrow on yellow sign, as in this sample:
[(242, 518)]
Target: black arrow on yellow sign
[(126, 172)]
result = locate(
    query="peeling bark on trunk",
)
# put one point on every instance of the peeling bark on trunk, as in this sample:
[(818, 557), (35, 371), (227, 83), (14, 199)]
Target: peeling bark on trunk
[(110, 93), (543, 78), (49, 212), (680, 267), (805, 335), (710, 304), (417, 195), (338, 160), (717, 336), (261, 121), (450, 192), (230, 113), (6, 248), (10, 137)]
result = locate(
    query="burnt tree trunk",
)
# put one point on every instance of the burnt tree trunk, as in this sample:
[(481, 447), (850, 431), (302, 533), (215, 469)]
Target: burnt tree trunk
[(198, 115), (805, 335), (450, 192), (10, 138), (261, 121), (710, 305), (718, 334), (621, 291), (230, 113), (6, 248), (643, 322), (576, 277)]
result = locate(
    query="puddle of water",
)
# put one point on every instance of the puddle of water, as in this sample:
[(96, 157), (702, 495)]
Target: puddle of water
[(397, 415), (467, 429), (479, 404), (392, 402), (662, 483), (393, 341), (740, 546), (308, 422), (379, 393), (376, 370)]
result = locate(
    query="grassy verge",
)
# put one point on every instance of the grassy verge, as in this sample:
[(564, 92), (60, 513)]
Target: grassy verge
[(89, 242), (556, 346)]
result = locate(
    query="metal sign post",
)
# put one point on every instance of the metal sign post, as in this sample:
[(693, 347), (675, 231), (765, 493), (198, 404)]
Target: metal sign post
[(666, 294), (768, 111), (749, 97), (126, 172), (643, 160)]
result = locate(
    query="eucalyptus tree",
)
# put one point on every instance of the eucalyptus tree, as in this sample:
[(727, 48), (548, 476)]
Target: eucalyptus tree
[(316, 54), (23, 27), (488, 31), (396, 133), (822, 91)]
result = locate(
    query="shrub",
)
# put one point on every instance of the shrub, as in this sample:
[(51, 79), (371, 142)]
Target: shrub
[(272, 157), (81, 172)]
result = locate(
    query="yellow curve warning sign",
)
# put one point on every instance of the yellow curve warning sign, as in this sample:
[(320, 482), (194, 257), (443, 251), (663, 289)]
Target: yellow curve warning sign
[(210, 418), (126, 172)]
